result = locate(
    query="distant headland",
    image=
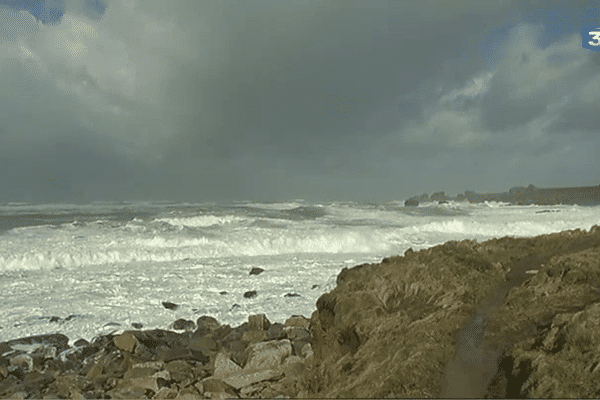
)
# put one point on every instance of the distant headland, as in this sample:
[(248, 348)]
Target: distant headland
[(589, 195)]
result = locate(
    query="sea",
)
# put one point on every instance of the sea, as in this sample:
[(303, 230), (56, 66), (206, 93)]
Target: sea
[(100, 268)]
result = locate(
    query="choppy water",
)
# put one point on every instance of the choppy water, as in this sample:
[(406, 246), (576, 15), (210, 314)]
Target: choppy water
[(115, 264)]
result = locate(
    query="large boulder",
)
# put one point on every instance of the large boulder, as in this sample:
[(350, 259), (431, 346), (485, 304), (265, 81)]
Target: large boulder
[(506, 317)]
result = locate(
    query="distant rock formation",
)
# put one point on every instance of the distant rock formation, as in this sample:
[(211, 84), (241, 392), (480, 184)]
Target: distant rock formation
[(589, 195)]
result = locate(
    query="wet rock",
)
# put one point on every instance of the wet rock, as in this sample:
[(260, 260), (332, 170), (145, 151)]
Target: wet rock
[(137, 325), (256, 271), (170, 306), (250, 294), (206, 324), (291, 295), (184, 324)]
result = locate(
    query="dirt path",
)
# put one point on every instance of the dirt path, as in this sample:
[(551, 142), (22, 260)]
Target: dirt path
[(469, 373)]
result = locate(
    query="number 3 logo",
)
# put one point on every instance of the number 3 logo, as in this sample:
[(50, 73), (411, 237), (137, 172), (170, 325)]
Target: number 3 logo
[(596, 37)]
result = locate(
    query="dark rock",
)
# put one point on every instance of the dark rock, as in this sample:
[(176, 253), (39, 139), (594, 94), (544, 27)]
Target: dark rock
[(137, 325), (222, 293), (276, 331), (182, 324), (54, 319), (256, 271), (250, 294), (292, 295), (315, 286), (81, 342), (259, 322), (206, 324), (411, 203), (170, 306)]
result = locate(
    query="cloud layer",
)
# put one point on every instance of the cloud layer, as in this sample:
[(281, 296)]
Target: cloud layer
[(365, 100)]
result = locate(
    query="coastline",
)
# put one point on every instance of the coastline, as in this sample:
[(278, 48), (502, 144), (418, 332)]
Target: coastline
[(501, 318), (586, 196)]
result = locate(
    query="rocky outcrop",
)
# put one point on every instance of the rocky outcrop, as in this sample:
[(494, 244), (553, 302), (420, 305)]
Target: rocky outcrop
[(589, 195), (503, 318), (256, 359)]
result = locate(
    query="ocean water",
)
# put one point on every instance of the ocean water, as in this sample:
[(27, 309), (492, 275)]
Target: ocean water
[(85, 270)]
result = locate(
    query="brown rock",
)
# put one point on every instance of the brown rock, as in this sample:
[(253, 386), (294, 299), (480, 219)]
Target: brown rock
[(23, 361), (246, 378), (206, 324), (214, 385), (179, 370), (258, 322), (401, 328), (298, 321), (297, 333), (205, 344), (184, 324), (267, 355), (126, 342), (254, 336), (276, 331), (166, 393), (176, 353), (224, 366)]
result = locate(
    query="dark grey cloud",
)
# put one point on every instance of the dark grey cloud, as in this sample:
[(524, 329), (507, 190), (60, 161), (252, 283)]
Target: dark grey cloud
[(340, 99)]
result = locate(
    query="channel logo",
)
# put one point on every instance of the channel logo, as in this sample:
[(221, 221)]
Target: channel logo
[(590, 31), (590, 38)]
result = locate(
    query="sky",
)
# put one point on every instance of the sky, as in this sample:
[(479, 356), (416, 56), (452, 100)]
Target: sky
[(364, 100)]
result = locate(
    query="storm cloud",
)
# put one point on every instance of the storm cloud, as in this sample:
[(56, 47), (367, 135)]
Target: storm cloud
[(361, 100)]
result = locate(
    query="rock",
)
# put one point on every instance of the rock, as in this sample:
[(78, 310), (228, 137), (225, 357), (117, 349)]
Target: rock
[(267, 355), (250, 294), (291, 295), (259, 322), (126, 342), (256, 271), (411, 203), (276, 332), (170, 306), (137, 325), (224, 367), (204, 344), (393, 329), (81, 343), (184, 324), (298, 321), (206, 324), (180, 371), (214, 385), (246, 378)]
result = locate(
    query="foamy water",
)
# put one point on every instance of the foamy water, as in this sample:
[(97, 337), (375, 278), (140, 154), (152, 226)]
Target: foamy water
[(102, 267)]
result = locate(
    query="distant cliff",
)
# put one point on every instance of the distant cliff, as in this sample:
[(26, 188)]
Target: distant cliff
[(589, 195)]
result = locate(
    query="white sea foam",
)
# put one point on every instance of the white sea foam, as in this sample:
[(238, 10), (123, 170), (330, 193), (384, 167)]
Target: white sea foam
[(119, 267)]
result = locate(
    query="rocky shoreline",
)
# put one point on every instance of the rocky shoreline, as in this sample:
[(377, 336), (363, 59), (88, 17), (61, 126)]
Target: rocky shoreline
[(502, 318), (587, 195)]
